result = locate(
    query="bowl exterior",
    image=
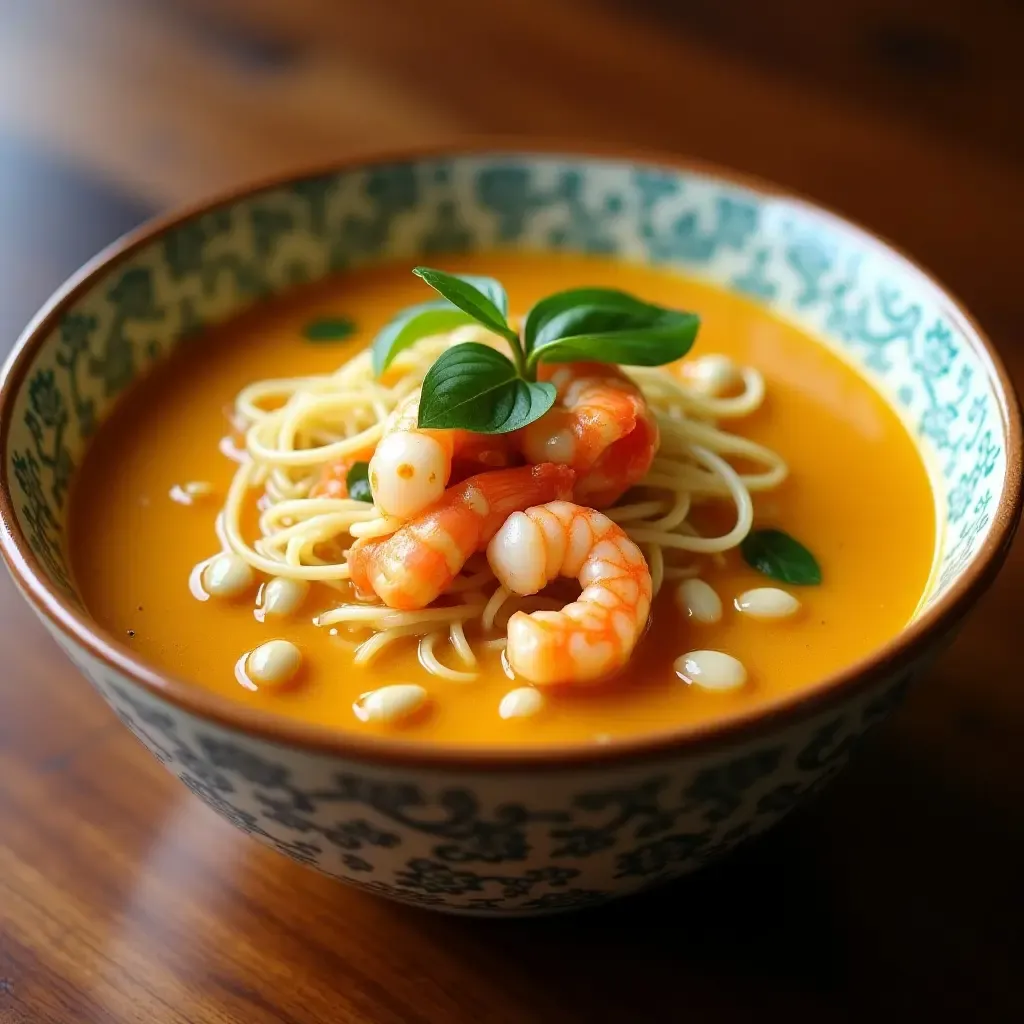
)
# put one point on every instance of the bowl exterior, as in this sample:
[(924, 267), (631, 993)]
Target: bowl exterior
[(499, 843), (501, 840)]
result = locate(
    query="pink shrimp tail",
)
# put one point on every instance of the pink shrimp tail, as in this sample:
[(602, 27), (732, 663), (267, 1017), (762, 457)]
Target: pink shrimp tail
[(414, 566)]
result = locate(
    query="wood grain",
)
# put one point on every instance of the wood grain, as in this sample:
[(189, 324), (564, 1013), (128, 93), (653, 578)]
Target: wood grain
[(123, 899), (925, 63)]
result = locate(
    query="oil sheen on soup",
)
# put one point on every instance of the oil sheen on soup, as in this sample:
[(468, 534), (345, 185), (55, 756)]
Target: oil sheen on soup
[(148, 510)]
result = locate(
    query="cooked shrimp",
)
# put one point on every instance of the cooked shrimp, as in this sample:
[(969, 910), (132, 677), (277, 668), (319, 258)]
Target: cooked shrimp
[(411, 468), (601, 426), (414, 565), (594, 636), (333, 482)]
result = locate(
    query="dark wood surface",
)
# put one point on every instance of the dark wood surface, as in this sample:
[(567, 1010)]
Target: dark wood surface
[(123, 899)]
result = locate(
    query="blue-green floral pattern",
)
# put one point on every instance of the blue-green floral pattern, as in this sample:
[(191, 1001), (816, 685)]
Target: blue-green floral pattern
[(484, 843), (467, 841), (854, 294)]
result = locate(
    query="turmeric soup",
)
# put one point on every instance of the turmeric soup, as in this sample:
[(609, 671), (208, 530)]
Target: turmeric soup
[(637, 504)]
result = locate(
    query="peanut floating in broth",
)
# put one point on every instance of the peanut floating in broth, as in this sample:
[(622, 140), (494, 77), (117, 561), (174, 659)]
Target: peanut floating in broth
[(711, 670), (390, 703), (523, 702), (698, 601), (767, 603), (226, 576), (281, 597), (274, 663)]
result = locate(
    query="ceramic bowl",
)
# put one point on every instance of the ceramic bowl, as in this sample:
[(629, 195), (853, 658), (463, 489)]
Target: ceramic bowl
[(484, 831)]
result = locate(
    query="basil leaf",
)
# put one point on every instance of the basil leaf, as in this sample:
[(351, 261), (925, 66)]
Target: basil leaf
[(482, 298), (646, 346), (329, 328), (489, 286), (779, 556), (412, 324), (357, 481), (608, 326), (473, 387), (585, 311)]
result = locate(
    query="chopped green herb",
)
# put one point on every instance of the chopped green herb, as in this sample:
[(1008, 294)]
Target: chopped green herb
[(328, 329), (776, 554)]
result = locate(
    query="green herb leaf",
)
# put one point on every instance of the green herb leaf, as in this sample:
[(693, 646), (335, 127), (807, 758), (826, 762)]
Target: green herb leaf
[(779, 556), (412, 324), (482, 298), (607, 326), (357, 480), (649, 346), (329, 328), (585, 311), (473, 387)]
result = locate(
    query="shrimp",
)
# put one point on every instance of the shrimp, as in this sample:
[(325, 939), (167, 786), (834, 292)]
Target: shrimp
[(411, 468), (601, 426), (414, 565), (333, 482), (594, 636)]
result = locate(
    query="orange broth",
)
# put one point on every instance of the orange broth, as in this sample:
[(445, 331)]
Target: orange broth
[(858, 496)]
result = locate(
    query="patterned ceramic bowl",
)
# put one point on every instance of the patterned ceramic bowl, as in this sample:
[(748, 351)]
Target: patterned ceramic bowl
[(506, 832)]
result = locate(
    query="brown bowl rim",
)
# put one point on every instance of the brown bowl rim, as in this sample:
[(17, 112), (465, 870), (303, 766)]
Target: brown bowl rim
[(893, 656)]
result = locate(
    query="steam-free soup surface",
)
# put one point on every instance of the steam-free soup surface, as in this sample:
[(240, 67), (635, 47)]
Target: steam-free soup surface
[(857, 496)]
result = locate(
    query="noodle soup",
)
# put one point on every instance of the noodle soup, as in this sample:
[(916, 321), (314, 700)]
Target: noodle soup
[(212, 534)]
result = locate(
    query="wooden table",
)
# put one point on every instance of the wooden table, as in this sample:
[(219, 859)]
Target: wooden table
[(122, 898)]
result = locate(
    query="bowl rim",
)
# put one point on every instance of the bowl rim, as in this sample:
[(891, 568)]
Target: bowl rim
[(895, 655)]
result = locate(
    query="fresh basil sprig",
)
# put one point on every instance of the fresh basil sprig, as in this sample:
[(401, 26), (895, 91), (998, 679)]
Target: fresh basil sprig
[(473, 387), (774, 553)]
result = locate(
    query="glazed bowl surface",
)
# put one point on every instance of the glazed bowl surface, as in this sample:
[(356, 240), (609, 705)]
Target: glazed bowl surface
[(504, 831)]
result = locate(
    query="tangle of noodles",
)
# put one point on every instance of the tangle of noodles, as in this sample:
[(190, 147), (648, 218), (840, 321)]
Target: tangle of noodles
[(293, 426)]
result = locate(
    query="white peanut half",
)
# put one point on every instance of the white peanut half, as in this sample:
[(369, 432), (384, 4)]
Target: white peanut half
[(274, 663), (711, 670), (698, 601), (227, 575), (281, 597), (523, 702), (767, 603), (390, 703)]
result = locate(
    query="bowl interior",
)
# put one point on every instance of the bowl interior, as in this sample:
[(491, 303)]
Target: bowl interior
[(842, 285)]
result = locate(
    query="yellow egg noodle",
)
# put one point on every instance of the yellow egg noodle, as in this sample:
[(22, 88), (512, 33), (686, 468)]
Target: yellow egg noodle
[(294, 426)]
